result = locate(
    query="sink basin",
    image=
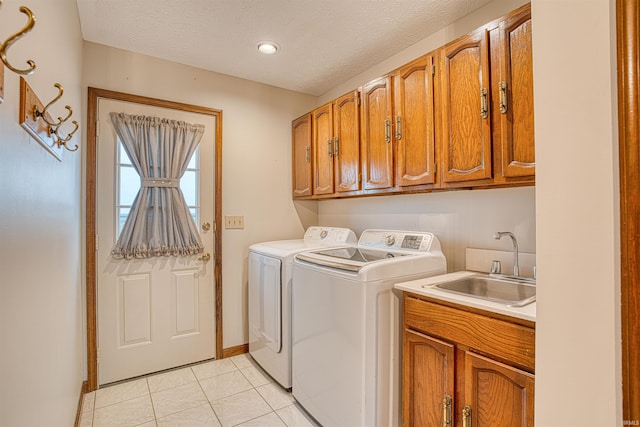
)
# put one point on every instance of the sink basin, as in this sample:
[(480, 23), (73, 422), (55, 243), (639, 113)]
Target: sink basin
[(508, 292)]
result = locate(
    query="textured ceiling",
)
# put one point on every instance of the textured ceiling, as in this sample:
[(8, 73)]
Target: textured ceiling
[(323, 42)]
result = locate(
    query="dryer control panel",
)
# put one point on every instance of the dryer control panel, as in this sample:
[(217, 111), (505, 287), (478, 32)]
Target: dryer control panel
[(330, 235)]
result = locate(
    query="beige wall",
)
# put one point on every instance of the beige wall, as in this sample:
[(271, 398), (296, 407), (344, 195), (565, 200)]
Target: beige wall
[(256, 146), (40, 260), (578, 381), (460, 219)]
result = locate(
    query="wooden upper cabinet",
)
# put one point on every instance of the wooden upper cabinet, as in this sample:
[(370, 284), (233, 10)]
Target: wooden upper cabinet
[(512, 91), (414, 122), (322, 126), (497, 395), (346, 145), (460, 116), (301, 153), (376, 142), (427, 380), (465, 111)]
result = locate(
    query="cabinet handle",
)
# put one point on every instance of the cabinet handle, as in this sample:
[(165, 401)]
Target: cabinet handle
[(308, 154), (335, 146), (503, 96), (387, 131), (329, 147), (446, 408), (484, 103), (466, 416), (398, 128)]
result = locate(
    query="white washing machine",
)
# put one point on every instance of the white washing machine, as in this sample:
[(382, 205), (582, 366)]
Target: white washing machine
[(270, 266), (347, 329)]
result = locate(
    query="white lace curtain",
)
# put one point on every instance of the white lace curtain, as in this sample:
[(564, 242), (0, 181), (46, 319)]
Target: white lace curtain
[(159, 222)]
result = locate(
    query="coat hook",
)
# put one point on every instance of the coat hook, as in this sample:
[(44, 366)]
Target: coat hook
[(53, 128), (43, 114), (62, 142), (11, 40)]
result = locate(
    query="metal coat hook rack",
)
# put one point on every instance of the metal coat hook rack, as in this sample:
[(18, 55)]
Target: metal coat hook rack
[(53, 128), (37, 120), (4, 46)]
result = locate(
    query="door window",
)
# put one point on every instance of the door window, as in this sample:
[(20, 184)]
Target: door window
[(128, 184)]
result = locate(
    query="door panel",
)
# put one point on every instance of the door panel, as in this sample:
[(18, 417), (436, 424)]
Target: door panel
[(265, 303), (134, 305), (414, 112), (465, 128), (346, 155), (517, 125), (302, 171), (185, 309), (155, 313), (377, 145), (498, 395), (428, 378), (322, 125)]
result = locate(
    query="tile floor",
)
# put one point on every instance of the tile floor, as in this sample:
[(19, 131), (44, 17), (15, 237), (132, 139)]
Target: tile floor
[(226, 392)]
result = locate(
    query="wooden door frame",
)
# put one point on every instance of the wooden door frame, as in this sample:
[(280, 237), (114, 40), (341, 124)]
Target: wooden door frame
[(628, 51), (90, 185)]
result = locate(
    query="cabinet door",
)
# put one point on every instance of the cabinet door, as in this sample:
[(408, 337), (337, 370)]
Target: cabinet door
[(346, 137), (466, 127), (322, 126), (377, 146), (414, 122), (301, 153), (427, 380), (513, 91), (497, 395)]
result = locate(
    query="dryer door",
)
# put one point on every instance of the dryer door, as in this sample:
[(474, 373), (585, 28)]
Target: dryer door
[(265, 300)]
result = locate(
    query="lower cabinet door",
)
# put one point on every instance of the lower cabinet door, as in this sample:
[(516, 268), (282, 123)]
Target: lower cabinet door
[(496, 395), (427, 380)]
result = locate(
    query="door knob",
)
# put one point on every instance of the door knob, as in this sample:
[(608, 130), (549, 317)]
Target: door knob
[(205, 257), (206, 226)]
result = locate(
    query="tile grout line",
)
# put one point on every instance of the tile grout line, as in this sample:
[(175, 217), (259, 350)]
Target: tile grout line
[(206, 397), (153, 407)]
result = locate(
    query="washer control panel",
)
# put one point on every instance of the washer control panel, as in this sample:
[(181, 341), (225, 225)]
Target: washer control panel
[(419, 241)]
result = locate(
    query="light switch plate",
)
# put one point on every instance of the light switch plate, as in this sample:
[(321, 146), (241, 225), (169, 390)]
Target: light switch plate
[(234, 221)]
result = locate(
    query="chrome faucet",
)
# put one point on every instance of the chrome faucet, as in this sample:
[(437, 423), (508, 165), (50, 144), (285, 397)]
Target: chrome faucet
[(497, 235)]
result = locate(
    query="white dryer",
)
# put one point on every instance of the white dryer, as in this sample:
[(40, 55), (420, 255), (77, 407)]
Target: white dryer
[(347, 329), (270, 267)]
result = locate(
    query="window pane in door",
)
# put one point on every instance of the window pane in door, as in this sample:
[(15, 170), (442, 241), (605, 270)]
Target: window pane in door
[(194, 214), (122, 217), (189, 187), (129, 185), (122, 155)]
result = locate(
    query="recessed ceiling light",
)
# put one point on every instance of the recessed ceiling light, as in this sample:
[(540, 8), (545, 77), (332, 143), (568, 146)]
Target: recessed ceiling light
[(268, 48)]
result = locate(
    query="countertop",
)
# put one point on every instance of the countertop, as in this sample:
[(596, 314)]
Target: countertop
[(426, 287)]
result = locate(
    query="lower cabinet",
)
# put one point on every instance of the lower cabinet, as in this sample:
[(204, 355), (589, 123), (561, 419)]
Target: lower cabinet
[(463, 368)]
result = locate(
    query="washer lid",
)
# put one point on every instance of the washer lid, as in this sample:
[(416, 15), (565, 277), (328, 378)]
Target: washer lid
[(351, 258)]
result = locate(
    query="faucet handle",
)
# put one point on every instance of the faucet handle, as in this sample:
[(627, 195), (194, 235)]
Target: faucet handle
[(495, 267)]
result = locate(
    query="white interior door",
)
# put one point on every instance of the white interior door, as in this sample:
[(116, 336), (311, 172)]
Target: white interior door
[(154, 313)]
